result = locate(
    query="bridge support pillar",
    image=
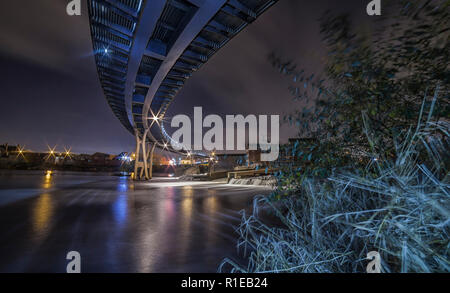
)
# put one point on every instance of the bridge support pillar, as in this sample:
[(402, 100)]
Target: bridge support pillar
[(151, 150), (141, 161)]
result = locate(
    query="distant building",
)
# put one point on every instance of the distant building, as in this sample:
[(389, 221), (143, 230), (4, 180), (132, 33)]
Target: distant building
[(3, 150), (100, 158), (231, 160), (82, 157), (8, 150)]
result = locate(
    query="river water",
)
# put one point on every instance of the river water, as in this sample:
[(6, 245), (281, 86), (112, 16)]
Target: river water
[(117, 225)]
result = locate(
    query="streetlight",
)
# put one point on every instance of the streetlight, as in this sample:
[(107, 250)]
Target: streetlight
[(51, 152), (67, 153), (20, 152)]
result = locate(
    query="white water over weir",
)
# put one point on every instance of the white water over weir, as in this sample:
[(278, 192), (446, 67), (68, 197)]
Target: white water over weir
[(256, 181)]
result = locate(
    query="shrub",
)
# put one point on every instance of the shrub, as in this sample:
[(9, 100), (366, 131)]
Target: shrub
[(385, 73), (400, 207)]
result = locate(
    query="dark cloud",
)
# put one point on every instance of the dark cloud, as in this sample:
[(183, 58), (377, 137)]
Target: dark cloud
[(50, 91)]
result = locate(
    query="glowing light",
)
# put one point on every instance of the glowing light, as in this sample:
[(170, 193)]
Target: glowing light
[(51, 152), (67, 153), (48, 174), (20, 152), (155, 118), (106, 51)]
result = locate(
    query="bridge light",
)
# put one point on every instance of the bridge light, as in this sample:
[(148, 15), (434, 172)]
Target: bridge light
[(106, 51)]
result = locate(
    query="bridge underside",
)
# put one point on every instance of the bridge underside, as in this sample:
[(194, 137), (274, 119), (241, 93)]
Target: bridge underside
[(145, 51)]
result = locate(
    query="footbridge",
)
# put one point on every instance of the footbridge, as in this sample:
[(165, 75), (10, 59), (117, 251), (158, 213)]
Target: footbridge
[(145, 50)]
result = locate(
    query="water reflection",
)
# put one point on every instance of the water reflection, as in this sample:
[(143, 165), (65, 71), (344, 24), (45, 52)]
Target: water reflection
[(186, 234), (211, 205), (170, 202), (186, 206), (43, 209), (42, 213), (188, 191), (123, 185), (153, 225), (47, 184), (120, 205)]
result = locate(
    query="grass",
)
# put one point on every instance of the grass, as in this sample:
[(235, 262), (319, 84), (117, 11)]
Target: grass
[(398, 207)]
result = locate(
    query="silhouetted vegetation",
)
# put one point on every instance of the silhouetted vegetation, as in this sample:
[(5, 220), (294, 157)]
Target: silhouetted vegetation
[(385, 75), (376, 175)]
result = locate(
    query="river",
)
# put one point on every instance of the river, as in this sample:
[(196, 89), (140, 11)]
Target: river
[(116, 224)]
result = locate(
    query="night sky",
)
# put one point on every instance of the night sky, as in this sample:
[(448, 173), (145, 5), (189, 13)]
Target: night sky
[(50, 92)]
